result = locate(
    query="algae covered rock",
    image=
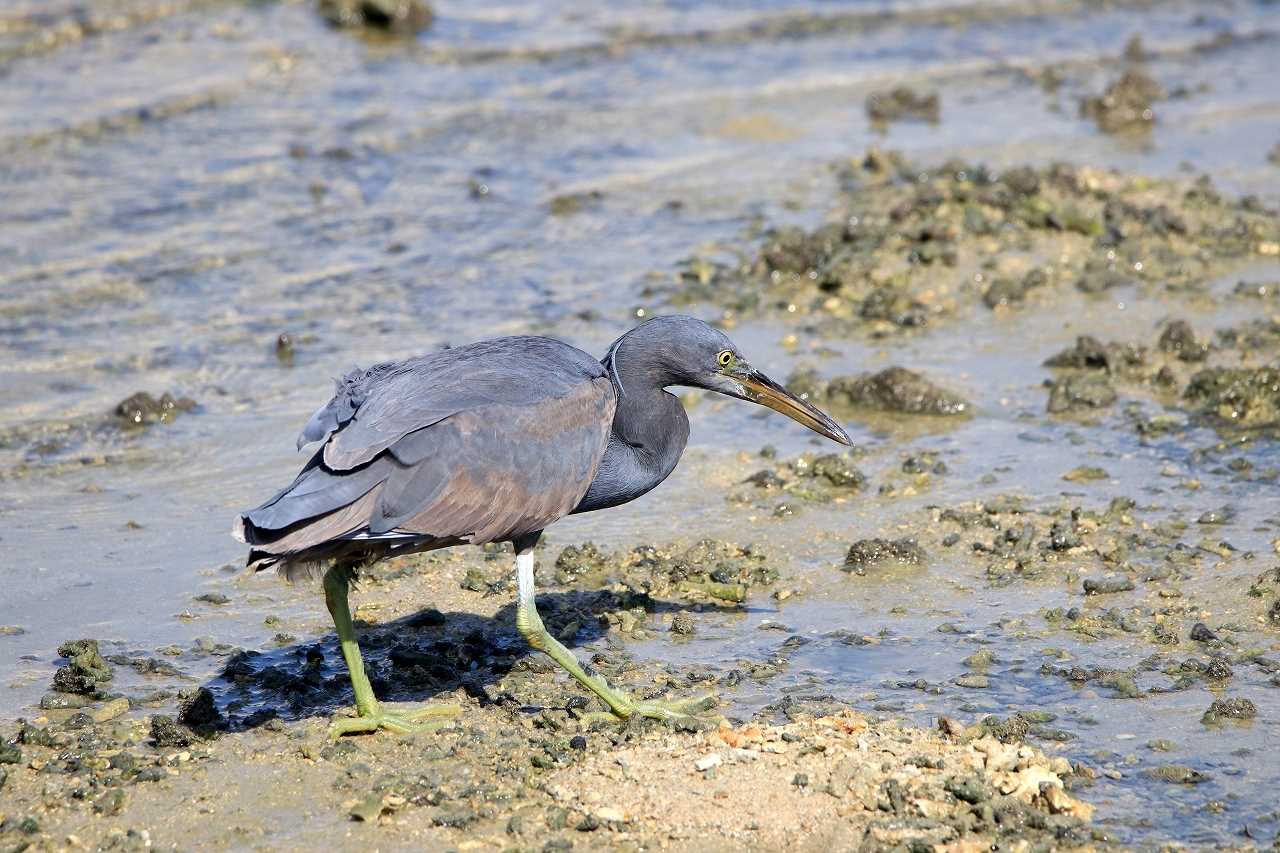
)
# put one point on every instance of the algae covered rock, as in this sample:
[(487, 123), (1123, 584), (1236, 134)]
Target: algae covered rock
[(85, 669), (1237, 396), (896, 389)]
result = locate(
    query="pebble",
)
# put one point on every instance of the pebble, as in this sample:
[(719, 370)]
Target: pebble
[(707, 762)]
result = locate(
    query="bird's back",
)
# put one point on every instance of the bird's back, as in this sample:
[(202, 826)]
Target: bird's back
[(483, 442)]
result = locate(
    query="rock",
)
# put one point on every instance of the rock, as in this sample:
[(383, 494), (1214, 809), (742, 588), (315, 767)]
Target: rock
[(1229, 709), (838, 470), (1201, 634), (1178, 774), (902, 102), (398, 17), (10, 754), (86, 669), (973, 681), (682, 623), (1178, 338), (1084, 391), (1107, 586), (968, 790), (215, 598), (870, 552), (110, 710), (111, 802), (1125, 105), (896, 389), (1237, 396), (165, 732), (1084, 474), (141, 409), (707, 762), (200, 710)]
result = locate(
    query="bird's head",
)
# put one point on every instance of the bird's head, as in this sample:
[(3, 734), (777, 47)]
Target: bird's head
[(689, 352)]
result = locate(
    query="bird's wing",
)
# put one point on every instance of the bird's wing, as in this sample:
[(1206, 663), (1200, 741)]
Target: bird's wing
[(375, 408), (499, 471), (492, 472)]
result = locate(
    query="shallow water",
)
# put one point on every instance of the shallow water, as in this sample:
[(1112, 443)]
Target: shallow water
[(182, 186)]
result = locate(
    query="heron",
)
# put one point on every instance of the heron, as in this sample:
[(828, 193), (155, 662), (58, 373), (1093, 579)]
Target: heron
[(493, 442)]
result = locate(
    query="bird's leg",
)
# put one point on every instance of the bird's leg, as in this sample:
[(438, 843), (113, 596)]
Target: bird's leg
[(622, 706), (370, 715)]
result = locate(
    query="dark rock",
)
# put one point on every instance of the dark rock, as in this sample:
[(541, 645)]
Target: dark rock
[(968, 790), (1086, 391), (10, 754), (902, 102), (1178, 338), (838, 470), (1107, 586), (1178, 774), (1201, 634), (1229, 709), (765, 479), (86, 669), (1237, 396), (897, 389), (869, 552), (682, 623), (399, 17), (1089, 353), (141, 408), (200, 710), (215, 598), (1126, 105), (165, 732), (1014, 728)]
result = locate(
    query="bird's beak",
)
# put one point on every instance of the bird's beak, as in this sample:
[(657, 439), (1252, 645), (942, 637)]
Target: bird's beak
[(759, 388)]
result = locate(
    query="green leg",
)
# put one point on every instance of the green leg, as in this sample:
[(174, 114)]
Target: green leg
[(530, 626), (369, 713)]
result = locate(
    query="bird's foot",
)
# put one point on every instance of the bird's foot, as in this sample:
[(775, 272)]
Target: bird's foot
[(402, 722), (678, 712)]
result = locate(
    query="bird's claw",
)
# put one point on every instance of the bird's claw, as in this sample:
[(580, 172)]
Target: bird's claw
[(409, 721)]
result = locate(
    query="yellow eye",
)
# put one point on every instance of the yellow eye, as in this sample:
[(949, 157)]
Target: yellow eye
[(724, 358)]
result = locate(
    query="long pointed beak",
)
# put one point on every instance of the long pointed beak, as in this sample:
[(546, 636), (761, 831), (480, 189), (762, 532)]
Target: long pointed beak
[(759, 388)]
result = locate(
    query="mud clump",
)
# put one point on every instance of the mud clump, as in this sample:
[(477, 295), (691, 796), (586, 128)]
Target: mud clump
[(142, 409), (1237, 396), (85, 670), (866, 553), (1125, 106), (903, 102), (396, 17)]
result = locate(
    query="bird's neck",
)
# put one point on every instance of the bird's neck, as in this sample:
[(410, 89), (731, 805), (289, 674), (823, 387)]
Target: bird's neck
[(650, 430)]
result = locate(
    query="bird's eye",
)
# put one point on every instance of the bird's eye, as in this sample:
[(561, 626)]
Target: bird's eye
[(724, 358)]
